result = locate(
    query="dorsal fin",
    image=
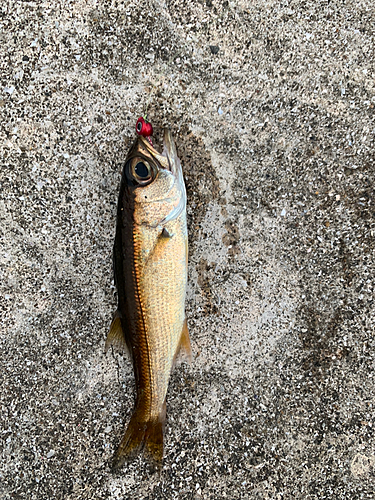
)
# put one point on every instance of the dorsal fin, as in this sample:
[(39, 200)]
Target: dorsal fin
[(116, 336)]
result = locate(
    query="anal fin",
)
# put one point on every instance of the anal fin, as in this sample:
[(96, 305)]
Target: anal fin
[(185, 345), (116, 337)]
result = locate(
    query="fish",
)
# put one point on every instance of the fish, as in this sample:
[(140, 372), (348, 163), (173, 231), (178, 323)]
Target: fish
[(150, 258)]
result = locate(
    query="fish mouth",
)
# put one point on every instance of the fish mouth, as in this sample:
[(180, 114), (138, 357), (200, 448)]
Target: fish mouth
[(168, 159)]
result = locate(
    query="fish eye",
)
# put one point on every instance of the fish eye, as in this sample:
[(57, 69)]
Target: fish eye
[(139, 126), (141, 171)]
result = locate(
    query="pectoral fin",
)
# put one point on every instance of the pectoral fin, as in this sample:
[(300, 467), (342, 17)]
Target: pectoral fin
[(165, 233), (116, 336), (159, 246)]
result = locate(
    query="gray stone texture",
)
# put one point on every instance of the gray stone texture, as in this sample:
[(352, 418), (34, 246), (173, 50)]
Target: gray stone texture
[(272, 107)]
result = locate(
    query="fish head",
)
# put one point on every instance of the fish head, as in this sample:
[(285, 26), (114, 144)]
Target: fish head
[(154, 182)]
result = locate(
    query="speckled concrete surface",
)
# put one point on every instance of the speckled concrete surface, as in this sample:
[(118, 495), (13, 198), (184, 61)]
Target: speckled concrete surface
[(272, 105)]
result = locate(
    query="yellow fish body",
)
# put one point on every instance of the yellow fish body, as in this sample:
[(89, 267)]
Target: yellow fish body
[(150, 267)]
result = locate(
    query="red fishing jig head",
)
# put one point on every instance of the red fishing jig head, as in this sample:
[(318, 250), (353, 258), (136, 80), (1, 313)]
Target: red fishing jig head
[(143, 127)]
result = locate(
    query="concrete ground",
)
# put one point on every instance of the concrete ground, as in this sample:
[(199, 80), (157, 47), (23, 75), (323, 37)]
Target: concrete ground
[(272, 106)]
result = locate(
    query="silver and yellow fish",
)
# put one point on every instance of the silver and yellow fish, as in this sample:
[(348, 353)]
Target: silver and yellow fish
[(150, 267)]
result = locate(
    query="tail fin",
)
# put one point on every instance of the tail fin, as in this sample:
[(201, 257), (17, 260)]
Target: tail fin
[(141, 433)]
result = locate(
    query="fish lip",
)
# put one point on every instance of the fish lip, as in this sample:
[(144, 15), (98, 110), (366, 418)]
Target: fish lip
[(141, 143)]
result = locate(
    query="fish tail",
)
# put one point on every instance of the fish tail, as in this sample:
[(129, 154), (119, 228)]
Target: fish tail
[(141, 434)]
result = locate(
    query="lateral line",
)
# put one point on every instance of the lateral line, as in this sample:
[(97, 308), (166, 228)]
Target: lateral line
[(140, 305)]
